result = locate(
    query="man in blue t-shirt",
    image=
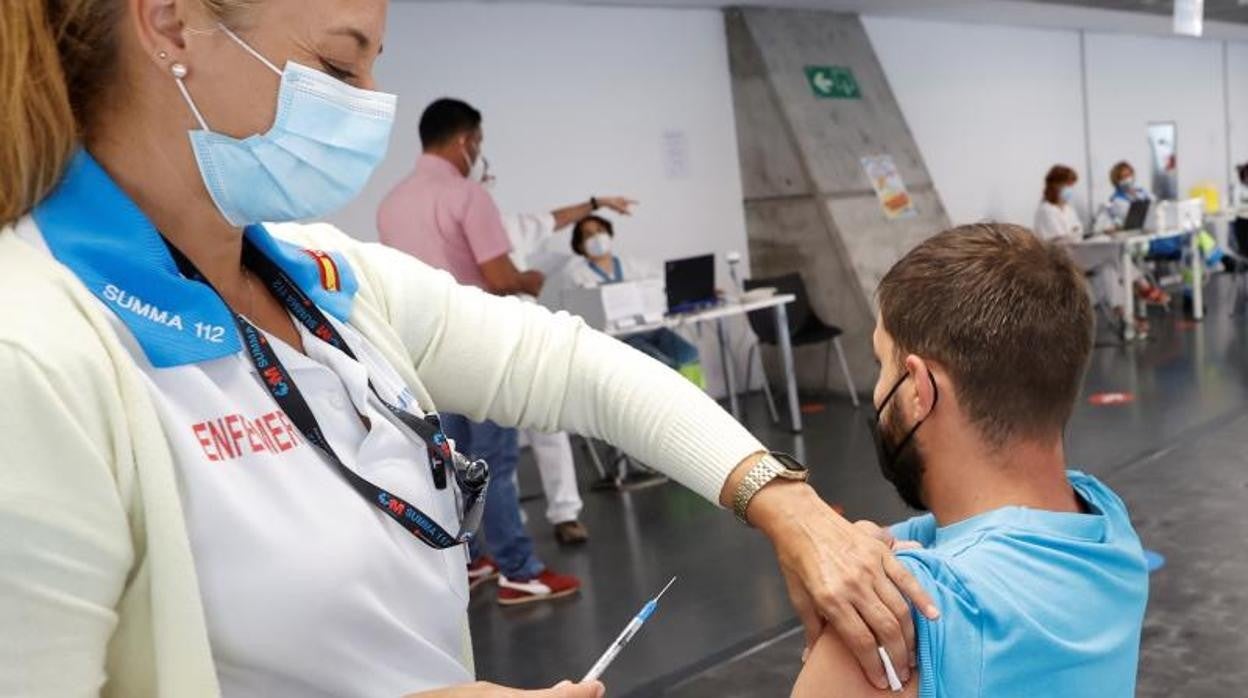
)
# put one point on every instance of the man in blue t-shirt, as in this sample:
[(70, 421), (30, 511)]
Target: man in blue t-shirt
[(983, 336)]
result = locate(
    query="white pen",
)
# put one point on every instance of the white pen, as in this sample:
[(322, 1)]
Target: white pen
[(894, 683), (627, 634)]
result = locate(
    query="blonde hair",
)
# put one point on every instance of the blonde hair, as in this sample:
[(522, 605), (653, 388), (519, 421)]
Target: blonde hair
[(57, 57)]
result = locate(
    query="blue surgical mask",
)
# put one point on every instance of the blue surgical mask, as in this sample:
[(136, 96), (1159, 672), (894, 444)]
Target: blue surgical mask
[(599, 245), (1068, 193), (326, 140)]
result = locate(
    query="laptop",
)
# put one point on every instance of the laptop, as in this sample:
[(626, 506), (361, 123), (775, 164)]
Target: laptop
[(690, 283), (1136, 216)]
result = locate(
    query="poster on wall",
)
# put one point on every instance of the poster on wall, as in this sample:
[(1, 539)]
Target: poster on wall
[(889, 187), (676, 154)]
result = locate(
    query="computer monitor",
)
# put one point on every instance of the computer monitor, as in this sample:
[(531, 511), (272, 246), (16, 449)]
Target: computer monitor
[(690, 283), (1136, 216)]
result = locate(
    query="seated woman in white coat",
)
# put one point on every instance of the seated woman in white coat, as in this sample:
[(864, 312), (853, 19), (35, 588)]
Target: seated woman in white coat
[(1057, 219), (595, 265)]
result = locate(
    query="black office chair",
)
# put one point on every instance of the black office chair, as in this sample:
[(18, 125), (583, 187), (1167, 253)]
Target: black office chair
[(804, 326)]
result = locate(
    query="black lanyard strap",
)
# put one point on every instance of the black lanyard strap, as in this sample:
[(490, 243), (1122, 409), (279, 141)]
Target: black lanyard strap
[(471, 477), (300, 307)]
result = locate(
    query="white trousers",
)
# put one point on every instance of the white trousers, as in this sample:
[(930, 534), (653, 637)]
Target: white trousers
[(553, 453), (1109, 282), (1107, 285)]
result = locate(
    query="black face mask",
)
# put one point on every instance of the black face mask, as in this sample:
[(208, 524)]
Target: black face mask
[(899, 459)]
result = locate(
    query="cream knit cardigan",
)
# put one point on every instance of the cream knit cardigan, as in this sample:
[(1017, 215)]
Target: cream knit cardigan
[(98, 592)]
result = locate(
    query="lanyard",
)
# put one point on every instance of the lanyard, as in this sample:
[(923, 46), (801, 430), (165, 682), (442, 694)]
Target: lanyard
[(619, 273), (471, 478)]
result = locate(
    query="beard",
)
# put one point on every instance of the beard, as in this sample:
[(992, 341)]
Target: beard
[(899, 458)]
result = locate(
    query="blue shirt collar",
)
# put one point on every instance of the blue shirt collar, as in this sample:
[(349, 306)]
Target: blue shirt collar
[(1071, 525), (92, 227), (617, 276)]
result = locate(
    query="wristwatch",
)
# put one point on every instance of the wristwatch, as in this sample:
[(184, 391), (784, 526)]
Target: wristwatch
[(771, 466)]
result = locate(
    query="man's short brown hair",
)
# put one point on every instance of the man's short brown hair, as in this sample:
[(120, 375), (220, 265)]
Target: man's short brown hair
[(1006, 314)]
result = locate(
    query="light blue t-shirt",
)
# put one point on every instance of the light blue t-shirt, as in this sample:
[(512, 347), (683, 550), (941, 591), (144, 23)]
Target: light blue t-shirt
[(1033, 603)]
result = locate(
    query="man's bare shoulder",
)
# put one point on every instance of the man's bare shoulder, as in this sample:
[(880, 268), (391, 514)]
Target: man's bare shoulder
[(832, 672)]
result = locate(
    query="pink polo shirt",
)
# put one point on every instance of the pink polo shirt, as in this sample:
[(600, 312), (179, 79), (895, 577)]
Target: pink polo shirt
[(443, 219)]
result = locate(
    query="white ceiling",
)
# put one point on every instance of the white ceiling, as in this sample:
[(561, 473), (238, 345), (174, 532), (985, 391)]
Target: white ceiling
[(1062, 14)]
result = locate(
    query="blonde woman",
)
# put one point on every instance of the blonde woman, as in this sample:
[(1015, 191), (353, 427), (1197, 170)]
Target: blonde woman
[(217, 474)]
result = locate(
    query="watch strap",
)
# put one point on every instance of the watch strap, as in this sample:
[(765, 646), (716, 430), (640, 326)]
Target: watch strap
[(764, 471)]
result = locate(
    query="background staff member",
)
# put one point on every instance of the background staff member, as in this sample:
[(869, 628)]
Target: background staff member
[(597, 264), (1058, 221), (442, 215), (1126, 191), (1113, 216), (137, 565), (1056, 217), (532, 234), (553, 451)]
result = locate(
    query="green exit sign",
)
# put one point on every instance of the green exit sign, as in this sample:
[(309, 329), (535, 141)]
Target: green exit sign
[(832, 82)]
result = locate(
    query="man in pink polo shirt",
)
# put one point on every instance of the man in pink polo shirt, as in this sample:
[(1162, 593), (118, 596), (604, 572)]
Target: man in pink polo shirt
[(442, 215)]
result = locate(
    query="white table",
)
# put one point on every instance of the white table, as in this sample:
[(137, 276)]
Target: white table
[(1093, 252), (717, 315)]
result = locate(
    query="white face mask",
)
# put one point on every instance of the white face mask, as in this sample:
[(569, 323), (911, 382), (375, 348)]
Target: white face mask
[(477, 167), (599, 245), (1068, 193)]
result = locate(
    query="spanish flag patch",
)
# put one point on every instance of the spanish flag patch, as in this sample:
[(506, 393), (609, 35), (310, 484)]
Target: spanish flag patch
[(330, 279)]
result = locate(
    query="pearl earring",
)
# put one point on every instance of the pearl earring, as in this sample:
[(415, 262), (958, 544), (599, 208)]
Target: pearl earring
[(162, 55), (179, 72)]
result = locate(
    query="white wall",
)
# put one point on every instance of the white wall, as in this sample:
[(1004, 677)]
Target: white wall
[(1133, 80), (576, 102), (992, 107)]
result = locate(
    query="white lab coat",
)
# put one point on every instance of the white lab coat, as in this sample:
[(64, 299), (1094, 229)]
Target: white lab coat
[(1060, 223), (577, 273), (534, 243)]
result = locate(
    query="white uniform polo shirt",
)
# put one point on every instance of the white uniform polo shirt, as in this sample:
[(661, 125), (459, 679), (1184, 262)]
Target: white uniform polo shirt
[(579, 272), (308, 589)]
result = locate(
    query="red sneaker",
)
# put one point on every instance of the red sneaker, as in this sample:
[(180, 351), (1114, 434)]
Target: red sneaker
[(1152, 294), (544, 587), (480, 571)]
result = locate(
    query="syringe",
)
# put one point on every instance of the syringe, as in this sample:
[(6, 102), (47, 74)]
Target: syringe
[(627, 634)]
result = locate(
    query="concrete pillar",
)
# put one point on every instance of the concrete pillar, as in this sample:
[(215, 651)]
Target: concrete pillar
[(809, 204)]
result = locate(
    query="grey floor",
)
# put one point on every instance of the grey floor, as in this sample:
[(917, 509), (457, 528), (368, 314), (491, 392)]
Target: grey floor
[(1176, 455)]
